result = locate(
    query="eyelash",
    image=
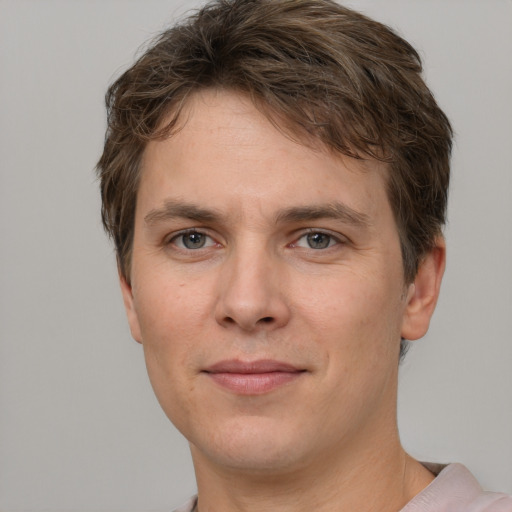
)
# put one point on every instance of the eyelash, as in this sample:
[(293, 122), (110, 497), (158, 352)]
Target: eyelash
[(332, 240), (177, 236)]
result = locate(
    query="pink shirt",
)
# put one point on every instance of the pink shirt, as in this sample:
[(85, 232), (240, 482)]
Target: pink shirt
[(455, 489)]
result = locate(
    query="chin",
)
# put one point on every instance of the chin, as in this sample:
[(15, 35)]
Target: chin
[(253, 445)]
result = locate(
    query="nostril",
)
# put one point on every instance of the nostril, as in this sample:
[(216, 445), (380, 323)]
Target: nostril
[(250, 325)]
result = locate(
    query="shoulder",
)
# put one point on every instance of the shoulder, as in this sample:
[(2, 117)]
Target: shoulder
[(490, 502), (455, 489)]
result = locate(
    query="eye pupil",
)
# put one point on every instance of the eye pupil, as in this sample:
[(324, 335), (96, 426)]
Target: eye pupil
[(194, 240), (318, 240)]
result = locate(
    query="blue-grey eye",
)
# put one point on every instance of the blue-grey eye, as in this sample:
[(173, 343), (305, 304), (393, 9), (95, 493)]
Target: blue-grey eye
[(318, 240), (192, 240)]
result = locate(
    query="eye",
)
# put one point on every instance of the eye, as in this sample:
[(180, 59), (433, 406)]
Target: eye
[(316, 240), (192, 240)]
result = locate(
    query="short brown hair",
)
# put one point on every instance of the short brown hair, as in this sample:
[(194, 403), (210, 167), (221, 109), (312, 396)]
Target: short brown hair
[(314, 68)]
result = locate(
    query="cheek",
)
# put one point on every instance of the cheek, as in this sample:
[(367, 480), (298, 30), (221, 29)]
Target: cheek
[(168, 304), (358, 316), (170, 316), (171, 325), (359, 329)]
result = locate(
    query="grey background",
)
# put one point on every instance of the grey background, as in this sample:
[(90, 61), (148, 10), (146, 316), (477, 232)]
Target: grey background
[(80, 429)]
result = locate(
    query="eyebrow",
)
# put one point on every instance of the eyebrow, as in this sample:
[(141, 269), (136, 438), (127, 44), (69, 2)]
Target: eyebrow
[(334, 210), (179, 209)]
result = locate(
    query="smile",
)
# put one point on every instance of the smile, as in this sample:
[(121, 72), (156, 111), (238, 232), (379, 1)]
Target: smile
[(252, 378)]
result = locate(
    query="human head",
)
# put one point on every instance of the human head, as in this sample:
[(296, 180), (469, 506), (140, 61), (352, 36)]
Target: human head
[(320, 72)]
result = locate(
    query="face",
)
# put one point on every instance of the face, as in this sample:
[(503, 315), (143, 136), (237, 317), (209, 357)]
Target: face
[(267, 290)]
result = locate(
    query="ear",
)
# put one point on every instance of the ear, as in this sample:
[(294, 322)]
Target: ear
[(423, 292), (131, 313)]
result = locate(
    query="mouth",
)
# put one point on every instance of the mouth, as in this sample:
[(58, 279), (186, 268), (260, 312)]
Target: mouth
[(252, 378)]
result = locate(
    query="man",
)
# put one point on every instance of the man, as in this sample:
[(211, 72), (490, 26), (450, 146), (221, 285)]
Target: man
[(275, 178)]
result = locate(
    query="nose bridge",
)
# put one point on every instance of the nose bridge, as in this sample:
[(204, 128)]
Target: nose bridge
[(250, 294)]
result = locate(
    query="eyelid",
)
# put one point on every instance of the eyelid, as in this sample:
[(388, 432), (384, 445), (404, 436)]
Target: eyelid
[(337, 237), (171, 238)]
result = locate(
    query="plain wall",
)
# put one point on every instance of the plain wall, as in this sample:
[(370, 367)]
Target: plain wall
[(80, 429)]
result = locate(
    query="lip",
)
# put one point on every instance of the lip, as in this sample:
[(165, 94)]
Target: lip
[(252, 377)]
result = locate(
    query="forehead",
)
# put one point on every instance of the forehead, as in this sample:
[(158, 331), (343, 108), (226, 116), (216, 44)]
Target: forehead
[(225, 146)]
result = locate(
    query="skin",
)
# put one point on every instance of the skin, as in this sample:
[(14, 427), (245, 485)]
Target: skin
[(257, 290)]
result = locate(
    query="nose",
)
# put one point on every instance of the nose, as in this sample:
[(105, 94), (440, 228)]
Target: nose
[(251, 296)]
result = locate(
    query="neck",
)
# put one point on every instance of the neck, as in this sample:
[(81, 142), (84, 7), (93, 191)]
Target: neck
[(370, 477)]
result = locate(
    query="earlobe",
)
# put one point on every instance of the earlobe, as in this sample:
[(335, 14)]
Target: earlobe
[(423, 293), (129, 306)]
